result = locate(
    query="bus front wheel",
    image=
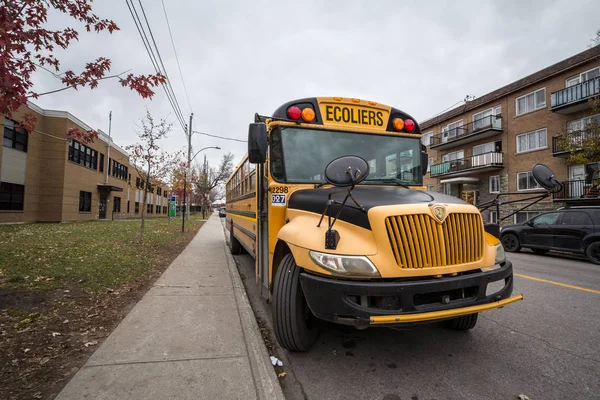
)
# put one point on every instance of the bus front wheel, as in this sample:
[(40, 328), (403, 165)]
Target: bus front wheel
[(295, 326), (234, 245), (462, 323)]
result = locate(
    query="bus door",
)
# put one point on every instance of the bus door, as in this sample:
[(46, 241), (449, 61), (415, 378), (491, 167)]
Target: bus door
[(262, 238)]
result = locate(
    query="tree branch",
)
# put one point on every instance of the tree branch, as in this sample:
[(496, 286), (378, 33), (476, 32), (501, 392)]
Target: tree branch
[(74, 86)]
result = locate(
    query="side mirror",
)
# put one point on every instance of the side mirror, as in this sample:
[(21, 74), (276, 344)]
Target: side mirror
[(257, 143), (424, 162), (529, 223), (346, 171)]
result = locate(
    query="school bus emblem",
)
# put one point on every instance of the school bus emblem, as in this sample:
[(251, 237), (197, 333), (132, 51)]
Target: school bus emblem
[(439, 212)]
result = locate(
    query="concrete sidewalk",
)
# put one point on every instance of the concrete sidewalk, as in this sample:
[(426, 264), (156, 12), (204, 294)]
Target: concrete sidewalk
[(192, 336)]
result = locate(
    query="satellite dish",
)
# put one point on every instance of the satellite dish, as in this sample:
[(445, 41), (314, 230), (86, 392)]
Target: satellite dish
[(346, 171), (545, 177)]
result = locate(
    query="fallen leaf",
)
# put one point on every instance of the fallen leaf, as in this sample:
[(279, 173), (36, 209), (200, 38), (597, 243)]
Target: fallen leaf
[(92, 343), (282, 374), (523, 397), (54, 334), (26, 350), (66, 321)]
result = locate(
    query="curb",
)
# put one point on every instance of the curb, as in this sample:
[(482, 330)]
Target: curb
[(266, 382)]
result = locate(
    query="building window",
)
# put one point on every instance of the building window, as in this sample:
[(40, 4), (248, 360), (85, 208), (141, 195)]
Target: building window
[(483, 148), (83, 155), (101, 166), (15, 136), (164, 209), (158, 209), (137, 207), (149, 208), (430, 188), (493, 217), (118, 170), (525, 181), (451, 130), (523, 216), (85, 201), (584, 76), (127, 206), (12, 196), (455, 155), (137, 183), (117, 204), (429, 164), (426, 138), (488, 118), (495, 184), (446, 188), (531, 101), (532, 141)]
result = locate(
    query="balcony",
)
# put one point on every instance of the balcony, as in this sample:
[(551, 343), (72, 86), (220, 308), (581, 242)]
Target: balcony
[(577, 138), (480, 129), (574, 98), (469, 165), (579, 191)]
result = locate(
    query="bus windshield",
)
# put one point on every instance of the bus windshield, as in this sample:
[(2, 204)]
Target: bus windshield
[(300, 155)]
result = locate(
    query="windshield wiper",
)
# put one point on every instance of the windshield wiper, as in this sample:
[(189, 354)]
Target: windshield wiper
[(393, 181)]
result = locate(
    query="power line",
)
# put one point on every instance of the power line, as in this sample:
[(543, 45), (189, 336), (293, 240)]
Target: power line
[(159, 57), (155, 63), (221, 137), (150, 52), (176, 58)]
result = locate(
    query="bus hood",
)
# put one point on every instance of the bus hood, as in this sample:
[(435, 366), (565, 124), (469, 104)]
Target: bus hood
[(369, 196)]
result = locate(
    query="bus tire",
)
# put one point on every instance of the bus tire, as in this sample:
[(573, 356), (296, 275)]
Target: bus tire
[(296, 328), (234, 245), (463, 323)]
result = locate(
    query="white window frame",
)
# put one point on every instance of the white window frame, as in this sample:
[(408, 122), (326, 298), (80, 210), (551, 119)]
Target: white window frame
[(535, 107), (537, 131), (529, 174), (490, 183), (430, 162), (427, 135), (484, 144), (493, 217), (446, 130), (446, 157), (430, 188), (527, 215)]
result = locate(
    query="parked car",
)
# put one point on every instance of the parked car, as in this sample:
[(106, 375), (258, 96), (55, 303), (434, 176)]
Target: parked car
[(574, 230), (222, 213)]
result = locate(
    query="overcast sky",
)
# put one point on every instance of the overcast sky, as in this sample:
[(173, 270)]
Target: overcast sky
[(241, 57)]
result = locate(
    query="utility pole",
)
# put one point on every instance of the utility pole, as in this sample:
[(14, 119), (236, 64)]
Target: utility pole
[(183, 208)]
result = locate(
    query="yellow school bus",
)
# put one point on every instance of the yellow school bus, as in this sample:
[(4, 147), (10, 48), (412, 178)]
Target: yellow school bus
[(329, 201)]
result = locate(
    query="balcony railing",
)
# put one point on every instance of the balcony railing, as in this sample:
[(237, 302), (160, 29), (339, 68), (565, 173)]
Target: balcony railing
[(575, 93), (478, 126), (578, 138), (479, 161), (579, 189)]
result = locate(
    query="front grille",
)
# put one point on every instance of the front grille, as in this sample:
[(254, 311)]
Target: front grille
[(418, 241)]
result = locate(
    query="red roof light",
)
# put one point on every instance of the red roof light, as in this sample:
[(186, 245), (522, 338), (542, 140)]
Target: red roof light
[(409, 125), (294, 112)]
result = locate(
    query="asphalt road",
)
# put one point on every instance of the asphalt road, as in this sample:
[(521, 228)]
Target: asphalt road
[(545, 347)]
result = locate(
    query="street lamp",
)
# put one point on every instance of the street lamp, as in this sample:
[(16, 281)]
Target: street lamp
[(187, 207)]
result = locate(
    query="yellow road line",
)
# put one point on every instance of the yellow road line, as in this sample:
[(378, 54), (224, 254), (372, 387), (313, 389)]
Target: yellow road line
[(558, 284)]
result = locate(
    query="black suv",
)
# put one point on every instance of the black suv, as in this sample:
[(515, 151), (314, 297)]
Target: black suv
[(574, 230)]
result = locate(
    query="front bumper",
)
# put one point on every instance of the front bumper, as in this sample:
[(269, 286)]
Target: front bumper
[(406, 302)]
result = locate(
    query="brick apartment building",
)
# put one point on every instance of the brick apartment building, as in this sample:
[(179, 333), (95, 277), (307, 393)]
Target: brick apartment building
[(489, 145), (46, 178)]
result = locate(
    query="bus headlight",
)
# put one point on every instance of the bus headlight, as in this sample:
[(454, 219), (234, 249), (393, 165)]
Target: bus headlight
[(345, 265), (500, 256)]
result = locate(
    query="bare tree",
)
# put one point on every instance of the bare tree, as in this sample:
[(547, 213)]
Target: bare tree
[(595, 41), (583, 145), (150, 162), (211, 179)]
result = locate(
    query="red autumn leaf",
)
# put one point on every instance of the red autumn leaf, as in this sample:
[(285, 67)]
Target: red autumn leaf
[(28, 43)]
